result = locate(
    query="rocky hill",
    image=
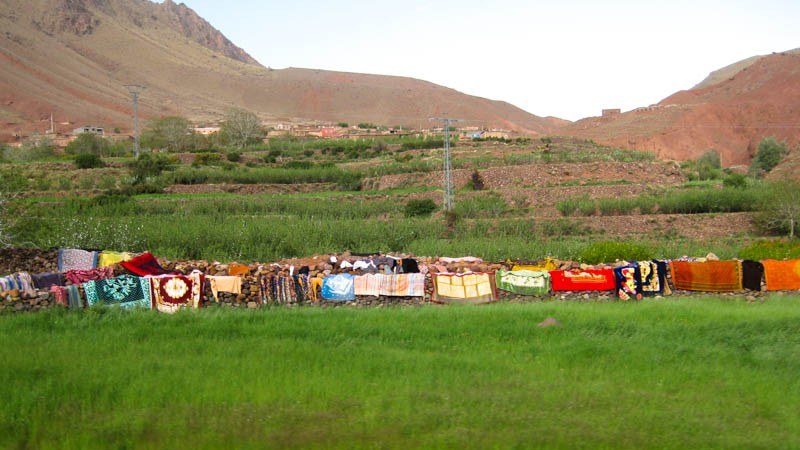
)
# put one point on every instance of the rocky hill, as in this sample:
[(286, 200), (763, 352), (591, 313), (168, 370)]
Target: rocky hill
[(730, 111), (72, 58)]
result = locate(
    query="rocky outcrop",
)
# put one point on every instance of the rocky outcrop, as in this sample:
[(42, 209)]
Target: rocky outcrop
[(191, 25), (68, 16)]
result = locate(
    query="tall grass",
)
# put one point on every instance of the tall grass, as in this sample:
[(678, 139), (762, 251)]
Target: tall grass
[(688, 201), (697, 373), (267, 175)]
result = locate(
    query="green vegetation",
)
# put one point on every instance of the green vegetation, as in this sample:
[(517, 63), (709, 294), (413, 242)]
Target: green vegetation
[(241, 128), (769, 154), (422, 207), (688, 201), (172, 133), (346, 180), (88, 161), (780, 212), (35, 148), (699, 373), (761, 250)]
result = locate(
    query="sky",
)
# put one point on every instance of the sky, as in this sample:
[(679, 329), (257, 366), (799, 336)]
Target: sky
[(562, 58)]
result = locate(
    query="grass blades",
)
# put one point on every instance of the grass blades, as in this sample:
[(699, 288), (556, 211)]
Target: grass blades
[(690, 373)]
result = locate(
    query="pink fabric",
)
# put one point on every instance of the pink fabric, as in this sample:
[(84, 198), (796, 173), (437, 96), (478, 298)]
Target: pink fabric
[(82, 276)]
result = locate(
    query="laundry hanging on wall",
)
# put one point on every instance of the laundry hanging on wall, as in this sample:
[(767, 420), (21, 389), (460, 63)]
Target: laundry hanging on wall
[(474, 288), (583, 280), (172, 293), (126, 291), (339, 288), (708, 276), (76, 259), (523, 282), (782, 275)]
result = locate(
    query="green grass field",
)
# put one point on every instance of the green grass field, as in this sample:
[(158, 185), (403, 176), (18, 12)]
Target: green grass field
[(679, 373)]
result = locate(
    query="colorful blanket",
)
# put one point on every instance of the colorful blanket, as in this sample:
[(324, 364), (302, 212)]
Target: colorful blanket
[(174, 292), (76, 259), (653, 276), (752, 274), (224, 283), (126, 291), (583, 280), (402, 285), (283, 288), (108, 258), (144, 265), (47, 280), (339, 288), (782, 275), (20, 281), (709, 276), (74, 297), (524, 282), (629, 282), (474, 288), (368, 285), (60, 295), (82, 276)]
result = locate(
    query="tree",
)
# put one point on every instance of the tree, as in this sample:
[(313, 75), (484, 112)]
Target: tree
[(476, 180), (709, 165), (242, 128), (171, 133), (769, 154), (88, 143), (781, 211)]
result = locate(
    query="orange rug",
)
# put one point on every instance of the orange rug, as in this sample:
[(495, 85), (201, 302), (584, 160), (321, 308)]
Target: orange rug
[(782, 275), (709, 276)]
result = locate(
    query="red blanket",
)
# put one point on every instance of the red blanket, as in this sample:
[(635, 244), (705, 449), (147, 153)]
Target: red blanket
[(145, 264), (583, 280)]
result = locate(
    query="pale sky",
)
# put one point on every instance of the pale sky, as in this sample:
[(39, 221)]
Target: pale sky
[(567, 58)]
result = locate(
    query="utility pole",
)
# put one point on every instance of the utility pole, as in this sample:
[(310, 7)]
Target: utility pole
[(447, 162), (135, 90)]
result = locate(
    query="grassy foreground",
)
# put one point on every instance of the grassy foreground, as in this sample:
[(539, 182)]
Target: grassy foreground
[(689, 373)]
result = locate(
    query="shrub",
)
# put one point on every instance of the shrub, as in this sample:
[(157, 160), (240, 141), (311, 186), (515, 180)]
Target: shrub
[(735, 180), (420, 207), (87, 143), (769, 154), (780, 209), (148, 166), (476, 181), (234, 156), (88, 161), (610, 251), (207, 159), (343, 125)]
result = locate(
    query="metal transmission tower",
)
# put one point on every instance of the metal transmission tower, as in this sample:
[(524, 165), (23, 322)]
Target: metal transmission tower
[(135, 90), (447, 162)]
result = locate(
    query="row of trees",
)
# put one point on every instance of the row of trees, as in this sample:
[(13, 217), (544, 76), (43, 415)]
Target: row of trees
[(239, 129)]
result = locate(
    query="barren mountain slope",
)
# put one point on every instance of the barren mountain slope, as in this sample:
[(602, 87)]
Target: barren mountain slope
[(730, 116), (72, 58)]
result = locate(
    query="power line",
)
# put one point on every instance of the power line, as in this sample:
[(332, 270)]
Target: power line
[(448, 163), (135, 90)]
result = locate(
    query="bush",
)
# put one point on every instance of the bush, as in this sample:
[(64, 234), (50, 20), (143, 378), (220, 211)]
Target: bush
[(769, 154), (207, 159), (420, 207), (88, 161), (610, 251), (148, 166), (234, 156), (87, 143), (735, 180), (476, 181)]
